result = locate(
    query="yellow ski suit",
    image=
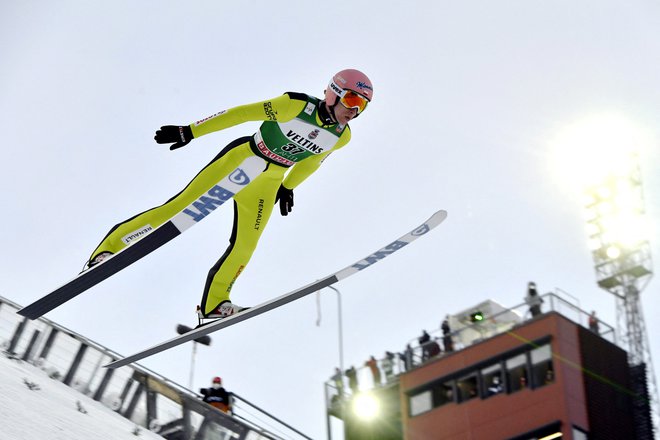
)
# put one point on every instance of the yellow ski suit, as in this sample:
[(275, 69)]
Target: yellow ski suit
[(296, 136)]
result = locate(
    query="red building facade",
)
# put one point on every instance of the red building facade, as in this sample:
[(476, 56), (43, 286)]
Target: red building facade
[(547, 378)]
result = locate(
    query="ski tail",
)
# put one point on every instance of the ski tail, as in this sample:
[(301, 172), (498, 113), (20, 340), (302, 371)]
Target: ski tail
[(100, 272), (294, 295)]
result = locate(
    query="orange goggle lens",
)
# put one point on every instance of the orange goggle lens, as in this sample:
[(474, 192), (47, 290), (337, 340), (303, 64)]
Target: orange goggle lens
[(354, 100)]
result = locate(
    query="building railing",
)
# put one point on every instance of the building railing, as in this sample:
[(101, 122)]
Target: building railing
[(439, 344), (140, 395)]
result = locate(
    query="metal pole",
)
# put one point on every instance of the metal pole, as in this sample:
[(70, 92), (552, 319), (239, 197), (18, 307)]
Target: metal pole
[(341, 354), (192, 365), (341, 330), (327, 413)]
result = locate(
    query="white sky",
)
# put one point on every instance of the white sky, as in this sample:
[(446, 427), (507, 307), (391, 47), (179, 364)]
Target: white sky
[(468, 98)]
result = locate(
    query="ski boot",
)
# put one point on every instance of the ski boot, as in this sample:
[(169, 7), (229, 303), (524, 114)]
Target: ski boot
[(225, 309)]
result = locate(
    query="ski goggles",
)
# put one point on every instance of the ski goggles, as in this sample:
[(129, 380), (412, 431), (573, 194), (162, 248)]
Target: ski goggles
[(352, 99)]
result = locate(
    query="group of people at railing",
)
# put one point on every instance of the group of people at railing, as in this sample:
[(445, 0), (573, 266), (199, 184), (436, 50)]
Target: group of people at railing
[(385, 370)]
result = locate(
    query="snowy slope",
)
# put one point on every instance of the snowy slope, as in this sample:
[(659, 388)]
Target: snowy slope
[(51, 411)]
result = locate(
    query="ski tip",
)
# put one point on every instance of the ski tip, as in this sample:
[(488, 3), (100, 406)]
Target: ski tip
[(437, 218)]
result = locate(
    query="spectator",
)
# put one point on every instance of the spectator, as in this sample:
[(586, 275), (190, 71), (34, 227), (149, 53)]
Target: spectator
[(448, 342), (433, 349), (446, 336), (445, 326), (549, 376), (423, 341), (338, 378), (533, 299), (593, 322), (388, 366), (372, 363), (407, 358), (352, 379), (424, 338), (217, 396), (495, 386)]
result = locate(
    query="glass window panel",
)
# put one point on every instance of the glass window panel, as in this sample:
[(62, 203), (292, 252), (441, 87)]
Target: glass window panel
[(543, 374), (578, 434), (491, 369), (467, 388), (541, 354), (517, 375), (420, 403), (516, 361), (443, 394)]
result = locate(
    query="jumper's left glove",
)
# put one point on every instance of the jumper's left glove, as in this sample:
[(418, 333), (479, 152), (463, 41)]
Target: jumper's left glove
[(180, 135), (285, 196)]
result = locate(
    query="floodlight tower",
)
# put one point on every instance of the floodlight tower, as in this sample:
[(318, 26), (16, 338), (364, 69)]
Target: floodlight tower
[(622, 259)]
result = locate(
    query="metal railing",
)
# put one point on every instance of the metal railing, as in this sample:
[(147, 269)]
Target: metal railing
[(137, 393)]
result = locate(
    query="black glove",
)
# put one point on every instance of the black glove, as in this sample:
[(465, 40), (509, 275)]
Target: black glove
[(285, 196), (180, 135)]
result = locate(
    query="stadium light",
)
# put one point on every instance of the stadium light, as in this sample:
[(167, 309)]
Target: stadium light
[(600, 156), (366, 406), (604, 154), (617, 228), (476, 317)]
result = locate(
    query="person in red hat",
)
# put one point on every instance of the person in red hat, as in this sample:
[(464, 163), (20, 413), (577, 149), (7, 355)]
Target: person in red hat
[(217, 396)]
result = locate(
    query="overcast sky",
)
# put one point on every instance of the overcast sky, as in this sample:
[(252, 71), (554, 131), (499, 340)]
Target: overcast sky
[(469, 100)]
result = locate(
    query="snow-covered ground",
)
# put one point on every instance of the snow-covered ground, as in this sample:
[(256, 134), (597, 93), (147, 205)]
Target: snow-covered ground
[(34, 406)]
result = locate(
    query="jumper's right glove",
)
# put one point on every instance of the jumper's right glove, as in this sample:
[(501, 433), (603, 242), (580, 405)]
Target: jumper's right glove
[(180, 135), (285, 196)]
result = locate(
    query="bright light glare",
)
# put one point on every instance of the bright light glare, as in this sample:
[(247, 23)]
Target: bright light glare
[(624, 230), (589, 150), (620, 220), (594, 244), (605, 208), (366, 406), (604, 192), (599, 157), (613, 252), (627, 199), (592, 229)]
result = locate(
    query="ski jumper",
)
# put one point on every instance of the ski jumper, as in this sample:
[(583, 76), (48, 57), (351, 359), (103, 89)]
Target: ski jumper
[(293, 139)]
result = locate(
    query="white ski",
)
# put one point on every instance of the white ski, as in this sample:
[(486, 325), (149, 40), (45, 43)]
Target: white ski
[(214, 326)]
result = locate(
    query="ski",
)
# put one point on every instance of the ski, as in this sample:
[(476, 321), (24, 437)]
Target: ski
[(294, 295), (219, 193)]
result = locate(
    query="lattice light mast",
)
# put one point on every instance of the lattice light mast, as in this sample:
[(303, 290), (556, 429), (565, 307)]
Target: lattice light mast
[(621, 253)]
